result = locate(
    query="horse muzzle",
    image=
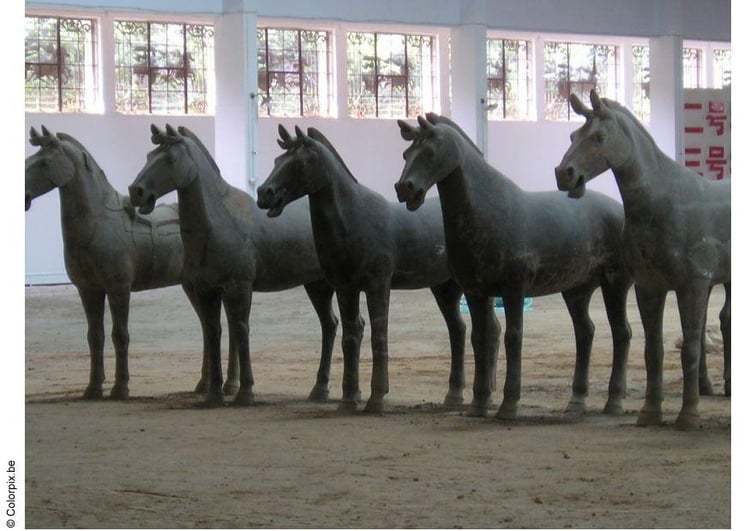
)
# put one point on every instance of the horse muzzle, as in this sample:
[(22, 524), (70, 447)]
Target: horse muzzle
[(408, 193), (569, 181), (141, 199), (269, 199)]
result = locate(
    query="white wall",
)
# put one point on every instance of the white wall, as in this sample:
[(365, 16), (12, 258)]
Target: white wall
[(525, 151)]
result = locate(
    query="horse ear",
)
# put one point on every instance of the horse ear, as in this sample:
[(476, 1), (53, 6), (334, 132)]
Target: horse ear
[(284, 134), (408, 132), (424, 124), (45, 132), (301, 136), (432, 117), (171, 131), (157, 135), (579, 107), (35, 138), (600, 109)]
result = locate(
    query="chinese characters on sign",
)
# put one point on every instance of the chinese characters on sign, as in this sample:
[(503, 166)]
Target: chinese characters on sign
[(707, 132)]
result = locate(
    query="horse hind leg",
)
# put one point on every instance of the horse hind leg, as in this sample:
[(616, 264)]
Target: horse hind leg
[(615, 297), (725, 320), (321, 296), (578, 301), (448, 297), (93, 307)]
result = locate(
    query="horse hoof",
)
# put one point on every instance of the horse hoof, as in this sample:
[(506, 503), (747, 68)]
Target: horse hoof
[(244, 398), (319, 393), (613, 407), (230, 388), (506, 412), (454, 400), (687, 420), (375, 406), (93, 393), (214, 399), (347, 406), (477, 410), (576, 407), (648, 418), (201, 388), (706, 389), (119, 393)]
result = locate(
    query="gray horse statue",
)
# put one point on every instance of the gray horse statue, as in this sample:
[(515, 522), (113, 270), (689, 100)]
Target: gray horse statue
[(365, 244), (232, 250), (677, 237), (508, 242), (110, 250)]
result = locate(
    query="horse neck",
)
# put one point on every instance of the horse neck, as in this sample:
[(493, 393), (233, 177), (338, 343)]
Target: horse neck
[(465, 191), (643, 179), (337, 192), (202, 203), (83, 199)]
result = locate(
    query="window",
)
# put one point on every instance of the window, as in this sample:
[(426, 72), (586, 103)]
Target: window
[(691, 68), (572, 68), (641, 83), (163, 68), (294, 72), (60, 65), (722, 67), (390, 75), (509, 86)]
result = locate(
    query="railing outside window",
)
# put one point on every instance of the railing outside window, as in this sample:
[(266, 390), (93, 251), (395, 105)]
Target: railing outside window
[(509, 85)]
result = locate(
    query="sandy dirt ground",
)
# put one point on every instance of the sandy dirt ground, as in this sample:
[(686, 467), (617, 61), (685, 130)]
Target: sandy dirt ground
[(161, 460)]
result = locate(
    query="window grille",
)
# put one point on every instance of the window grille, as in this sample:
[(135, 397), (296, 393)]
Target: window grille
[(390, 75), (576, 68), (165, 68), (509, 86), (641, 83), (60, 64), (295, 74)]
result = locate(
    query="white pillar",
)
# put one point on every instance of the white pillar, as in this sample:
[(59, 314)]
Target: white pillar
[(236, 122), (667, 121), (469, 81)]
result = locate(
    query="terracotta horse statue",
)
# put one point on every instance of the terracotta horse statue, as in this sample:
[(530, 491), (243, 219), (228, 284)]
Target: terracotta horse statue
[(508, 242), (677, 237), (365, 244), (110, 250), (231, 251)]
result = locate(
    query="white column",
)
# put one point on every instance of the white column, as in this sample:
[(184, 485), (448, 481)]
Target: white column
[(236, 122), (469, 81), (667, 121)]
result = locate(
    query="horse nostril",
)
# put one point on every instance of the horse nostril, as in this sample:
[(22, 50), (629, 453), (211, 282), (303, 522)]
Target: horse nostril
[(570, 171), (410, 186)]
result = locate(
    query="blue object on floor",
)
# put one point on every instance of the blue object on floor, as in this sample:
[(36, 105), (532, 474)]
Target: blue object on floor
[(527, 302)]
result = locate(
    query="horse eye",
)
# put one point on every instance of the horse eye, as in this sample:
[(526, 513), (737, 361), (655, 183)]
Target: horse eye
[(599, 138)]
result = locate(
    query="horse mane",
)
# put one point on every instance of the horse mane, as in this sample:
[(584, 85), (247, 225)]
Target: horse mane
[(620, 109), (438, 119), (184, 131), (320, 137), (96, 170)]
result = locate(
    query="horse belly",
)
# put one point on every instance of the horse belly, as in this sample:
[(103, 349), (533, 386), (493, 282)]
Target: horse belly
[(159, 253)]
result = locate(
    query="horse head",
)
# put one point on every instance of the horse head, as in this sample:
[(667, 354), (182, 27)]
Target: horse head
[(434, 154), (295, 172), (53, 166), (169, 167), (598, 145)]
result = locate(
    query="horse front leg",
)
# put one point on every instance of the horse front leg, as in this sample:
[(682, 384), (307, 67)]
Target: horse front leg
[(93, 306), (378, 301), (692, 301), (513, 346), (119, 307), (615, 301), (207, 305), (237, 303), (448, 297), (651, 309), (577, 302), (725, 321), (353, 329), (321, 296), (485, 332)]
